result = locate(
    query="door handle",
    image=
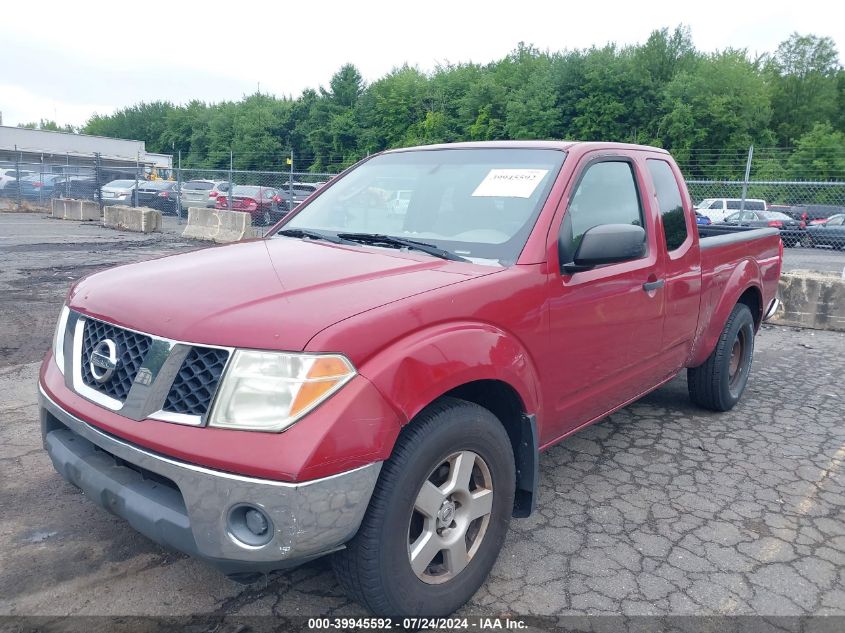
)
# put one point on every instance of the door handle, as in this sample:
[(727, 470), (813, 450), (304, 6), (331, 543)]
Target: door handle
[(653, 285)]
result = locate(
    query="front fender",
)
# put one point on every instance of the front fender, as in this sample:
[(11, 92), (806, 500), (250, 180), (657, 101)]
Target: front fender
[(720, 301), (419, 368)]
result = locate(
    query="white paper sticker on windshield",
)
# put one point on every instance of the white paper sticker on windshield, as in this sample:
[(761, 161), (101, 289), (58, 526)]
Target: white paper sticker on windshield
[(510, 183)]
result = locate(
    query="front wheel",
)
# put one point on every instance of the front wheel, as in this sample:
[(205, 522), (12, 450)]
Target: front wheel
[(438, 516), (719, 383)]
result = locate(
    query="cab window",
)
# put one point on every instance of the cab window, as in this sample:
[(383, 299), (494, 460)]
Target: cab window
[(670, 203), (606, 194)]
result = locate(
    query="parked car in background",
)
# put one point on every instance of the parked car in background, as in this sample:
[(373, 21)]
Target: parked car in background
[(266, 205), (119, 192), (831, 233), (202, 193), (39, 186), (792, 231), (814, 214), (301, 190), (9, 176), (701, 219), (76, 187), (717, 209), (158, 194), (790, 210)]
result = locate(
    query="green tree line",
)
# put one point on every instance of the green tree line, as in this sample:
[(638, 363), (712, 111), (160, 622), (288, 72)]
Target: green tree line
[(707, 108)]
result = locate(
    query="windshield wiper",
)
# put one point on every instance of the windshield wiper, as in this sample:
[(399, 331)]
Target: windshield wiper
[(312, 235), (389, 240)]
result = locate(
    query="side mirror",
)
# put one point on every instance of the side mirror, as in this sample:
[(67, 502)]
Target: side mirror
[(607, 244)]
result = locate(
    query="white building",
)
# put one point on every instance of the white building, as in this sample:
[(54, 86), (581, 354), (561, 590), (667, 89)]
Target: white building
[(56, 151)]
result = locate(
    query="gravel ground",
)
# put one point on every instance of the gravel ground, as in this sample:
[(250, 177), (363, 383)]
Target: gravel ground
[(659, 509)]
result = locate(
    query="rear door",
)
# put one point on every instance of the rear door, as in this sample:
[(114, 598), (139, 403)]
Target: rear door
[(605, 324)]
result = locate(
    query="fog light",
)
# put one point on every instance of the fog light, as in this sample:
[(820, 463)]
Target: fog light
[(255, 522), (249, 526)]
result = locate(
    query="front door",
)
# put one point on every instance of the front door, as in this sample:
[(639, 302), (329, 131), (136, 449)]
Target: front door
[(605, 323)]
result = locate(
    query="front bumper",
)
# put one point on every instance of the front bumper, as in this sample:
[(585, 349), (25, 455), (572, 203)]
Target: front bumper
[(194, 509)]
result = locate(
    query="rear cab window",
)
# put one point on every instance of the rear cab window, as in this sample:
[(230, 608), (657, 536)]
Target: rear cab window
[(670, 203)]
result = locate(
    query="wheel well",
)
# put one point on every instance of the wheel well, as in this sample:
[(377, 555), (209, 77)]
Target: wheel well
[(754, 301), (504, 402)]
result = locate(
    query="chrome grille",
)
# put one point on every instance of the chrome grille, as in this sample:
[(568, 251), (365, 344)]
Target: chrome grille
[(132, 349), (194, 386)]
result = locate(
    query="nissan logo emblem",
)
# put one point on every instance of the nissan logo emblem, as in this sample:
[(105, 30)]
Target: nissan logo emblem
[(103, 360)]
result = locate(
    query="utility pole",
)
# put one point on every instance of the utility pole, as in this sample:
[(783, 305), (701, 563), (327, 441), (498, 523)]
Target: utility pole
[(98, 180), (179, 186), (18, 174), (745, 180), (290, 181), (231, 183), (137, 167)]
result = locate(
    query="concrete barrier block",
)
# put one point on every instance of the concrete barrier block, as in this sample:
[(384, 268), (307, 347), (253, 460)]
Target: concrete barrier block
[(57, 208), (138, 219), (79, 210), (234, 226), (811, 299), (217, 225), (88, 211)]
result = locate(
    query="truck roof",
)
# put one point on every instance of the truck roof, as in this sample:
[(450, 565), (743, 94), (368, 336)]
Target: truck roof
[(529, 144)]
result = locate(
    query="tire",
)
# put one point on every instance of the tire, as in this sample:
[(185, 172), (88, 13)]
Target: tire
[(375, 568), (718, 384), (807, 242)]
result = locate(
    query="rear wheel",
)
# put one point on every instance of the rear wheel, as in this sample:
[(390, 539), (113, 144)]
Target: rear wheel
[(719, 383), (438, 516)]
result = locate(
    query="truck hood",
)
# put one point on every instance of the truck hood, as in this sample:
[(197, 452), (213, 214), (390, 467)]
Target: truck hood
[(264, 294)]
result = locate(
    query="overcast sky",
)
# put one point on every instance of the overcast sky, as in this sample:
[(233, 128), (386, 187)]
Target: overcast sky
[(68, 60)]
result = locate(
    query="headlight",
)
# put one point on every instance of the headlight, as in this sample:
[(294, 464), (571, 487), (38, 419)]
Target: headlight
[(269, 391), (59, 339)]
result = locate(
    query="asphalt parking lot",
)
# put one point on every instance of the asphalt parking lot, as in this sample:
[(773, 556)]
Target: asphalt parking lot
[(659, 509)]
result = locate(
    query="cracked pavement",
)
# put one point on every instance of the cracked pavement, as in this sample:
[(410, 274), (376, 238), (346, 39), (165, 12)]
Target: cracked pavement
[(659, 509)]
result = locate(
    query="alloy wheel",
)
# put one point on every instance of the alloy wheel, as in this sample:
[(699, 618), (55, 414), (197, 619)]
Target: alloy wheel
[(450, 517)]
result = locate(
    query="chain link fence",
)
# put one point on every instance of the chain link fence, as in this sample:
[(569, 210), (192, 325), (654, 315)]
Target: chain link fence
[(266, 195), (810, 215)]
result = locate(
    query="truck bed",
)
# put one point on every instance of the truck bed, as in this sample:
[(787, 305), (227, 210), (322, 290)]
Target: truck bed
[(727, 255)]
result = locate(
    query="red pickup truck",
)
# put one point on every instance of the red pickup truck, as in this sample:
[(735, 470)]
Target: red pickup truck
[(378, 384)]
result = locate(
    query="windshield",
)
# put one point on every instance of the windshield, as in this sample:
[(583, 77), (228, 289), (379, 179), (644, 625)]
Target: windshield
[(195, 185), (480, 204), (158, 184), (121, 183), (249, 190)]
